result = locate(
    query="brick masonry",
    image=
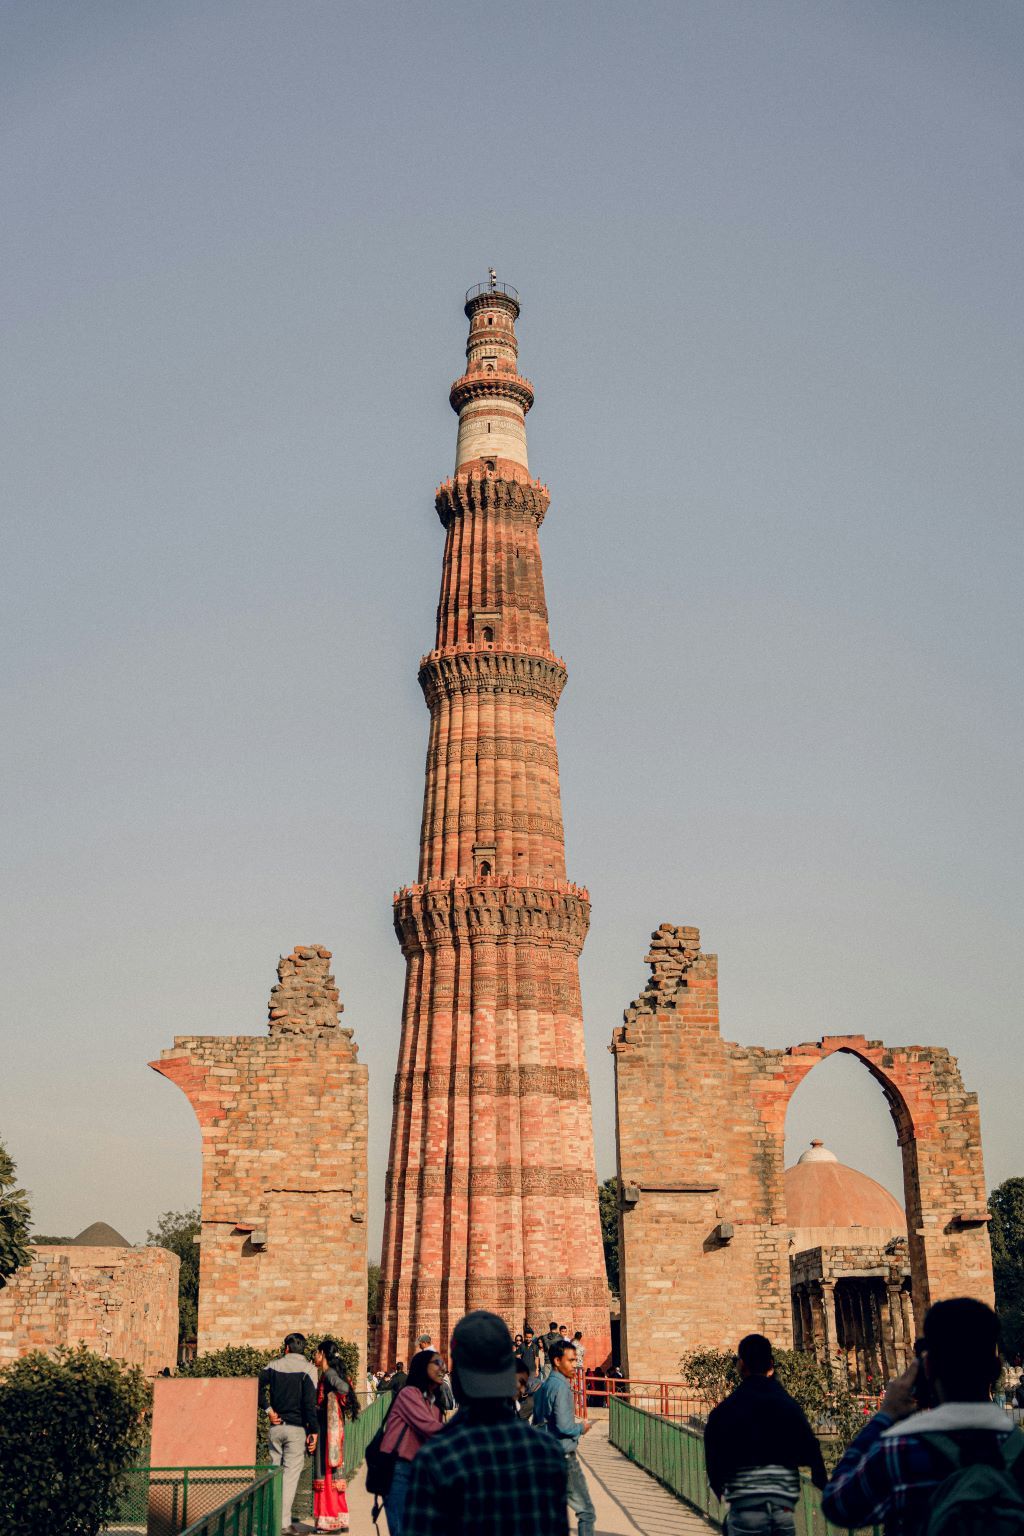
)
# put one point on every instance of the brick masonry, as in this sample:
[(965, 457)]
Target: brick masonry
[(121, 1302), (700, 1126), (283, 1119), (492, 1190)]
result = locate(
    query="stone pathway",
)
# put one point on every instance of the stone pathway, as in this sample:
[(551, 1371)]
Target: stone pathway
[(628, 1501)]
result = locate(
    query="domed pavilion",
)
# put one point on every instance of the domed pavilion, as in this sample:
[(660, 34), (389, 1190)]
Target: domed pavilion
[(849, 1269)]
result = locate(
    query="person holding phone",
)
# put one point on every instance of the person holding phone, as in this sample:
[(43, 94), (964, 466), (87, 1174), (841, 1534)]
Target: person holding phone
[(936, 1430)]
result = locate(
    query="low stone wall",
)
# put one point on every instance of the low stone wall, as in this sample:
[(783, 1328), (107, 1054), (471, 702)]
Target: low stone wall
[(34, 1305), (120, 1302)]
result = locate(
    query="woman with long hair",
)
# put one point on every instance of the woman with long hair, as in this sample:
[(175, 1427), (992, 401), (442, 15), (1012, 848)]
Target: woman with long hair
[(335, 1399), (415, 1416)]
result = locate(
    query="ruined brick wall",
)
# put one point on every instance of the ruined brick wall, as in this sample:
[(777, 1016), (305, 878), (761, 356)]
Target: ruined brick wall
[(694, 1152), (284, 1124), (700, 1126), (34, 1305), (124, 1303), (120, 1302)]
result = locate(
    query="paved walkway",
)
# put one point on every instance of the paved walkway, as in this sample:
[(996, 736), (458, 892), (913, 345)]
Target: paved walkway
[(628, 1501)]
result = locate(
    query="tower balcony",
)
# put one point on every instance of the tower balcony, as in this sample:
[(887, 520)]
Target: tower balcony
[(484, 293), (491, 386), (498, 882)]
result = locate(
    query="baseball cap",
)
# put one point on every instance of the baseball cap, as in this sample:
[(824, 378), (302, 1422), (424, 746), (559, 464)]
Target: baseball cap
[(483, 1356)]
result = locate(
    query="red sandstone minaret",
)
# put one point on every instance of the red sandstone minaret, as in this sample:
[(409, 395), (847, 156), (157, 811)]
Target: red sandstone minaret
[(492, 1194)]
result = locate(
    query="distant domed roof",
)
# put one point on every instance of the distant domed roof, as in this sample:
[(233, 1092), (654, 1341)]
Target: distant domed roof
[(99, 1235), (823, 1192)]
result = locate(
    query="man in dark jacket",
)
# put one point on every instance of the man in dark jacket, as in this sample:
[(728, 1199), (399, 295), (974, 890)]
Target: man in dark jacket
[(755, 1444), (547, 1340), (288, 1392), (396, 1381)]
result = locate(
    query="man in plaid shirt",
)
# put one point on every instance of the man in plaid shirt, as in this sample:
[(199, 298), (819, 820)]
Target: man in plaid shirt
[(892, 1469), (487, 1470)]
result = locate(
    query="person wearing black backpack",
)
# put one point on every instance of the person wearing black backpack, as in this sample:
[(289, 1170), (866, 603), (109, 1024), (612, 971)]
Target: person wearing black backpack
[(939, 1458)]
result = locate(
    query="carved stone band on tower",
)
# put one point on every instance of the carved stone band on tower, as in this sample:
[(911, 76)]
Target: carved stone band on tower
[(492, 1191)]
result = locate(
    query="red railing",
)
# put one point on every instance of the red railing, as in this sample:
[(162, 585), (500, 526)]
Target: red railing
[(669, 1399)]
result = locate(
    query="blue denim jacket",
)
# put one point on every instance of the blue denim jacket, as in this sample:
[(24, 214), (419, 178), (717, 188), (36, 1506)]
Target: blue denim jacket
[(554, 1411)]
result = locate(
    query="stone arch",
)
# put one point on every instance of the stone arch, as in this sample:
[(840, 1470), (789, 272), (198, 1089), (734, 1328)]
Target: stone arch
[(939, 1135)]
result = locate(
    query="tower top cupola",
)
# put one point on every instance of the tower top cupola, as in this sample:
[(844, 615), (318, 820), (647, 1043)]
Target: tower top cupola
[(491, 397)]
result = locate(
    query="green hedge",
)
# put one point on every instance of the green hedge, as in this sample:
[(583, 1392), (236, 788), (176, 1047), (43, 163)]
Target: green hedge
[(71, 1426)]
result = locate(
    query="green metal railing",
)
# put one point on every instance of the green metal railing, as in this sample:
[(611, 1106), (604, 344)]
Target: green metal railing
[(255, 1511), (172, 1499), (359, 1432), (674, 1454), (176, 1500)]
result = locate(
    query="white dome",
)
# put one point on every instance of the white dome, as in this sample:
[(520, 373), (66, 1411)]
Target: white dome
[(817, 1152)]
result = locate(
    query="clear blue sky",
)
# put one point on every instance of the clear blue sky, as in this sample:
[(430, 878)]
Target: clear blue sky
[(770, 264)]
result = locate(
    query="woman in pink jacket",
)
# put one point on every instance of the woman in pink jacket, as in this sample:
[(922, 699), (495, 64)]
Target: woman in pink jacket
[(415, 1415)]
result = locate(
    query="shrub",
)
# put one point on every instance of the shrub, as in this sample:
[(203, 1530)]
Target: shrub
[(71, 1425), (834, 1412), (711, 1373), (234, 1360), (244, 1360)]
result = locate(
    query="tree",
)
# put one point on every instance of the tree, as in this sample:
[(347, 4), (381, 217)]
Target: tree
[(15, 1219), (373, 1279), (1007, 1234), (178, 1230), (71, 1425), (608, 1205), (39, 1241)]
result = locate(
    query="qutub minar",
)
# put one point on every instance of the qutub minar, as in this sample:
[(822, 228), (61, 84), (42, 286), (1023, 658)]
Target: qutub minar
[(491, 1189)]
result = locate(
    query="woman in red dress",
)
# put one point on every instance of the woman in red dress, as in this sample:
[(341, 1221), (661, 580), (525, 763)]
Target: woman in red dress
[(335, 1399)]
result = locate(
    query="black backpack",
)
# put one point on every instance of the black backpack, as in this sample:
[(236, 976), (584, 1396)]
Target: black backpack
[(380, 1464), (978, 1498)]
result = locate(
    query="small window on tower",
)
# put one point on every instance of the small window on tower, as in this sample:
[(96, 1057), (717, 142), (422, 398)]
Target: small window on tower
[(489, 463), (490, 319), (488, 635), (485, 869)]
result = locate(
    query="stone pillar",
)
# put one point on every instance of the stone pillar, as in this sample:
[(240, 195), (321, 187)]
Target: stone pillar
[(798, 1330), (882, 1355), (896, 1326), (806, 1317), (830, 1338)]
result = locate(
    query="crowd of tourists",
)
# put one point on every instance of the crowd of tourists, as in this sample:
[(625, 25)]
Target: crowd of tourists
[(488, 1470), (939, 1458)]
